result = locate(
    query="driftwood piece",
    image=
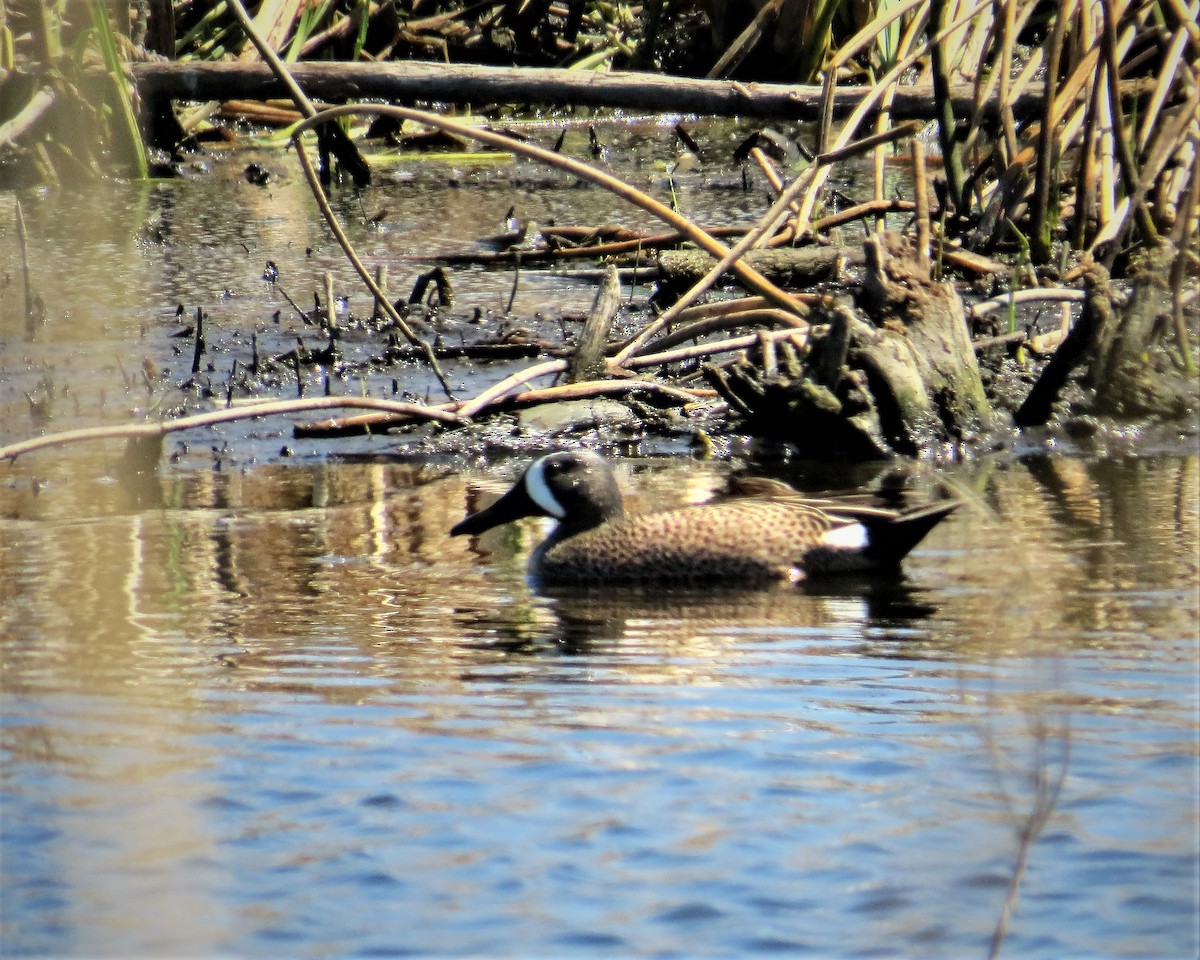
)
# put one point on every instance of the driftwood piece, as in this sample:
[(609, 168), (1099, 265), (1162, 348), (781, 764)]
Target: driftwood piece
[(792, 267), (457, 83)]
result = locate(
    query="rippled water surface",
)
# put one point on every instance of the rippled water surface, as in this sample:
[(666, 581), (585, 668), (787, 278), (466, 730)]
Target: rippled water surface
[(279, 712), (259, 705)]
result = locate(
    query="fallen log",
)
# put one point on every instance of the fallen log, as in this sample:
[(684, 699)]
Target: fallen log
[(455, 83)]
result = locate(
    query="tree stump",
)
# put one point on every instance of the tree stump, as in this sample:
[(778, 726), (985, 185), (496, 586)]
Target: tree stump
[(902, 300), (903, 382), (1131, 371)]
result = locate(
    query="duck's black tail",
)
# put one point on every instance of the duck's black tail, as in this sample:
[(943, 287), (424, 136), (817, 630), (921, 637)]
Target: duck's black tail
[(890, 538)]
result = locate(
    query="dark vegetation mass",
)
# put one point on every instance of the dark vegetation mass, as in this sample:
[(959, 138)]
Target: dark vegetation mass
[(1053, 150)]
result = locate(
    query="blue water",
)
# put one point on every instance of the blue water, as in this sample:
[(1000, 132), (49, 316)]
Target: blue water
[(237, 727)]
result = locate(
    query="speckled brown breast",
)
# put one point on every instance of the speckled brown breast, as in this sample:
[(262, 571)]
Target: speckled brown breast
[(736, 539)]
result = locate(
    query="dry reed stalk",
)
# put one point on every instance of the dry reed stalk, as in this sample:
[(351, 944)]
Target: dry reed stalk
[(921, 190), (883, 122), (1047, 154), (943, 108), (1127, 162), (763, 316), (821, 173), (1087, 173)]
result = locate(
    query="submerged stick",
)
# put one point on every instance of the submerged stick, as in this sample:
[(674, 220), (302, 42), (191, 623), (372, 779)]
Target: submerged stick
[(331, 316), (26, 279), (516, 284), (199, 347)]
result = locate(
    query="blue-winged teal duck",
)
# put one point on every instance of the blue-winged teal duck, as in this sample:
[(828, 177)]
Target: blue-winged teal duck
[(773, 535)]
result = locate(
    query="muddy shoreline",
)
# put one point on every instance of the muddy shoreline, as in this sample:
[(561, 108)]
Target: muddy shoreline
[(490, 311)]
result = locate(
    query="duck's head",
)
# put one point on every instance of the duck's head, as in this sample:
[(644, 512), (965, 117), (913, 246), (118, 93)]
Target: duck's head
[(575, 487)]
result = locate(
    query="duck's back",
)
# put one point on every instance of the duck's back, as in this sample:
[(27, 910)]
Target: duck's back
[(735, 539)]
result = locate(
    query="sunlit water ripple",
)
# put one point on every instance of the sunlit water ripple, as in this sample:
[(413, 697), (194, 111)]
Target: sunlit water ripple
[(271, 744)]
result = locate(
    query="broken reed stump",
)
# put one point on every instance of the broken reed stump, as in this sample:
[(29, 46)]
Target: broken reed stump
[(898, 376), (1134, 372), (587, 361)]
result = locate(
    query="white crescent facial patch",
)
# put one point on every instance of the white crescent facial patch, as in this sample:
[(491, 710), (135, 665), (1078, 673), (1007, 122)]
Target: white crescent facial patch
[(539, 490)]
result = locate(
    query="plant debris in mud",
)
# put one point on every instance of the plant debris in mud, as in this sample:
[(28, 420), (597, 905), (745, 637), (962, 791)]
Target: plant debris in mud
[(878, 354)]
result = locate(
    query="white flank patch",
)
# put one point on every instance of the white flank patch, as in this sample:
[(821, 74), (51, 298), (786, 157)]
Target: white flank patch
[(853, 536), (539, 490)]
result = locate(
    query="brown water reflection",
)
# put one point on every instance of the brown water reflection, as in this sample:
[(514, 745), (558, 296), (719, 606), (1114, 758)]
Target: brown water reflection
[(238, 561)]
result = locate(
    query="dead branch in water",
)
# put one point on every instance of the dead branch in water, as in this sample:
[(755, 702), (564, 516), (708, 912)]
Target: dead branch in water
[(143, 431)]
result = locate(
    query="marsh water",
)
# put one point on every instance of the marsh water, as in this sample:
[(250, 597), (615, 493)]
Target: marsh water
[(263, 705)]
